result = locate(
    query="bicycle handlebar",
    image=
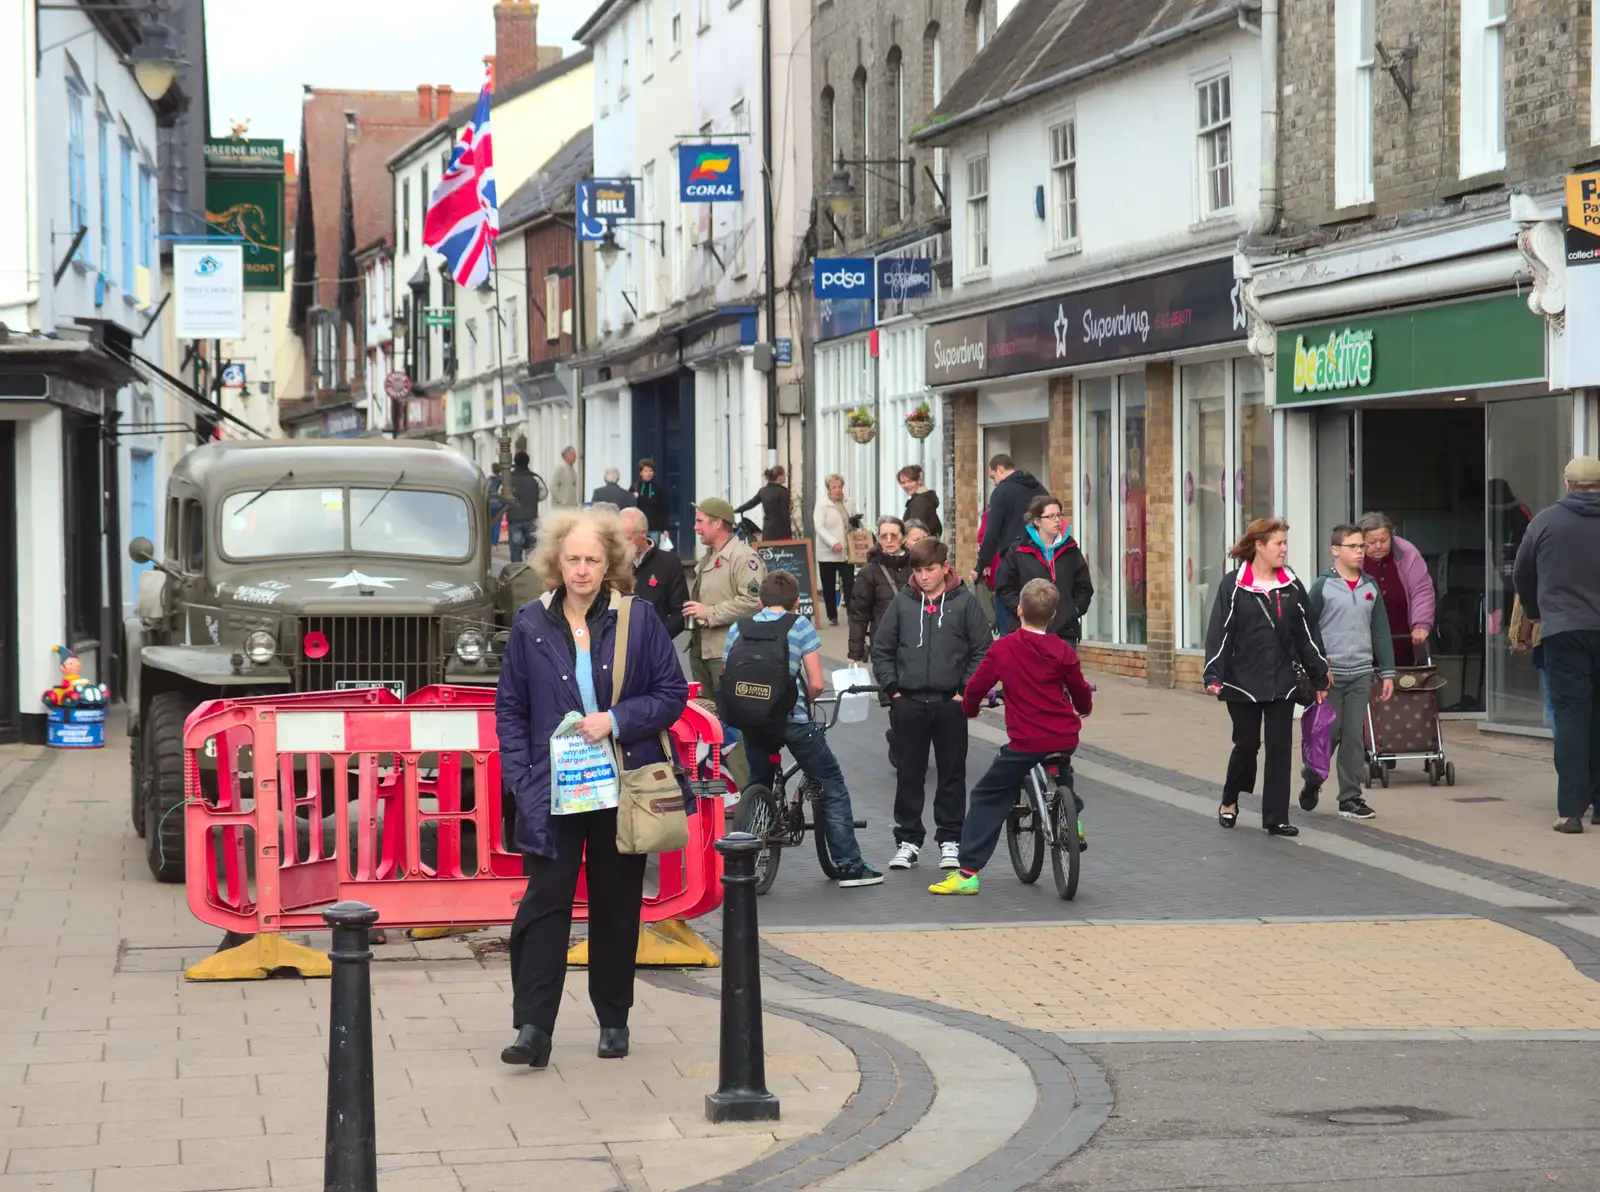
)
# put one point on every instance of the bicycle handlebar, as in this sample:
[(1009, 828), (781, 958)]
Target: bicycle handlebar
[(834, 700)]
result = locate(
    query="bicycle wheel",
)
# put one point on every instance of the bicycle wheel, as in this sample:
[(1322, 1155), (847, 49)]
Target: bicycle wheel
[(1025, 840), (759, 814), (1064, 851)]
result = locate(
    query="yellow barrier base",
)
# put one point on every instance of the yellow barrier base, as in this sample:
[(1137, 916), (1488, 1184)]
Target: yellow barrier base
[(439, 933), (260, 957), (668, 944)]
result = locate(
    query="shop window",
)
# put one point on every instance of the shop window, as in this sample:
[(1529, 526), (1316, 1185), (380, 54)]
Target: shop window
[(1226, 482), (1112, 512)]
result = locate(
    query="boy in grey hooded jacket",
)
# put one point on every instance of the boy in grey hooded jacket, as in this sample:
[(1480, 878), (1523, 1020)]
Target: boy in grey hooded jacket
[(1355, 633)]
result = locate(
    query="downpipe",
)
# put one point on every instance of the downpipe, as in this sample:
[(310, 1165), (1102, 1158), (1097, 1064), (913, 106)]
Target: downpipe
[(1270, 205)]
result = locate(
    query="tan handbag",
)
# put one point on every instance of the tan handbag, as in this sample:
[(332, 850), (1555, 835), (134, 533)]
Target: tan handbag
[(650, 814)]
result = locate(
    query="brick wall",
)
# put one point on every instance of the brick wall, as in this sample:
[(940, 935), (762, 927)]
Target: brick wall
[(1128, 661), (961, 529), (516, 41), (1416, 149), (1060, 444), (1160, 535)]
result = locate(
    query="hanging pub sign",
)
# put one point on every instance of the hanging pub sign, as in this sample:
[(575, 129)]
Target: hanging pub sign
[(244, 202), (709, 174), (1143, 316), (600, 201)]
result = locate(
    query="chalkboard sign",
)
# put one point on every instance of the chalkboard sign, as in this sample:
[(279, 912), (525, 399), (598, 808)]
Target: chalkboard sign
[(794, 556)]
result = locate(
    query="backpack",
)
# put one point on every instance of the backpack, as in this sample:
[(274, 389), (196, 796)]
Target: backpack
[(758, 689)]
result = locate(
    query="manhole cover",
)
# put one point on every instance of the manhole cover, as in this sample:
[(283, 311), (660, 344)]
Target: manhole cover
[(1367, 1117)]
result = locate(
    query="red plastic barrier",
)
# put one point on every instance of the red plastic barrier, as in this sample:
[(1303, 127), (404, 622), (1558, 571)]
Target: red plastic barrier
[(385, 770)]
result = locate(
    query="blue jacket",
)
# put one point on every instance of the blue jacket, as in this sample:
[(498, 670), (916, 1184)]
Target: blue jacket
[(539, 686)]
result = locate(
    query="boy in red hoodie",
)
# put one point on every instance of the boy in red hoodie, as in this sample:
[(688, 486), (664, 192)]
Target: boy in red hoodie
[(1046, 694)]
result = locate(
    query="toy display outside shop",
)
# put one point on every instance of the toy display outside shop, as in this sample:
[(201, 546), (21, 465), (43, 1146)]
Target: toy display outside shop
[(75, 709)]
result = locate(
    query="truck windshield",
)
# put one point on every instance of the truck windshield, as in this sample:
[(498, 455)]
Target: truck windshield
[(312, 521)]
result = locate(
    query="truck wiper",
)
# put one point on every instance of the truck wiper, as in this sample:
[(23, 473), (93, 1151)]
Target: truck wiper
[(381, 499), (289, 475)]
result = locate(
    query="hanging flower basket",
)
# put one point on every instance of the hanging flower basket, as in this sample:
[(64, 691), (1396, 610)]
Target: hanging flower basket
[(919, 428), (863, 426)]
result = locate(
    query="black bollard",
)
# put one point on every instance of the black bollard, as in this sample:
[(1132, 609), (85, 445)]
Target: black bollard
[(741, 1094), (350, 1154)]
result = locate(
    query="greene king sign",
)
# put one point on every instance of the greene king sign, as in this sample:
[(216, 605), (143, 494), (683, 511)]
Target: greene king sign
[(1343, 362)]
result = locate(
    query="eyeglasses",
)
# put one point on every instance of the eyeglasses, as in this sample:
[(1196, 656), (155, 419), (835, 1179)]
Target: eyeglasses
[(1051, 516), (1360, 546)]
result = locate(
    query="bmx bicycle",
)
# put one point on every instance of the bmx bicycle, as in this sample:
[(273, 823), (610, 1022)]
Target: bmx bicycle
[(776, 815), (1045, 819)]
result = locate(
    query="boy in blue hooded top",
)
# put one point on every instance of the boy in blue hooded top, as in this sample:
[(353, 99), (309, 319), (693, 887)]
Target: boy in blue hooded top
[(1046, 550)]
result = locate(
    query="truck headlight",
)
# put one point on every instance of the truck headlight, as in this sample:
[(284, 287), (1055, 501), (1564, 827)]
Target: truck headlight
[(260, 647), (469, 646)]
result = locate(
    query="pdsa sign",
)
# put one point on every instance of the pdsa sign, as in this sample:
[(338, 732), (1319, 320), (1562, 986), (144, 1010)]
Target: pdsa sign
[(841, 277), (709, 174)]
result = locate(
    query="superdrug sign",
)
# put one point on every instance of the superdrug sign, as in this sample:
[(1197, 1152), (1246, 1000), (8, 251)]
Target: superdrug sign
[(1188, 308)]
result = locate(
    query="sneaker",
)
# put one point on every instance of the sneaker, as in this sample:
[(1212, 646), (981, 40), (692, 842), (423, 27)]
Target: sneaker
[(955, 883), (1595, 818), (950, 854), (1083, 841), (1356, 809), (905, 856), (1308, 795), (1571, 826), (861, 875)]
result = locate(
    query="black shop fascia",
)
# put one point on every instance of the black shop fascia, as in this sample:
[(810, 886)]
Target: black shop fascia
[(1160, 313)]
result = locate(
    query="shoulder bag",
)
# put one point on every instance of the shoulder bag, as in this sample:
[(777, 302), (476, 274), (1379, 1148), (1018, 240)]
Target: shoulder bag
[(650, 813), (1304, 693)]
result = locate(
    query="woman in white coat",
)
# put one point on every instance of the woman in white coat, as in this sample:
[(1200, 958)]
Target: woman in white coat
[(832, 518)]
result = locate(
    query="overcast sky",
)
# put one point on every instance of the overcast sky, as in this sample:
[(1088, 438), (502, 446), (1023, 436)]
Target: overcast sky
[(260, 54)]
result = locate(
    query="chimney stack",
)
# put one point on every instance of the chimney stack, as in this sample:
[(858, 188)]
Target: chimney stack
[(516, 40), (441, 106), (425, 101)]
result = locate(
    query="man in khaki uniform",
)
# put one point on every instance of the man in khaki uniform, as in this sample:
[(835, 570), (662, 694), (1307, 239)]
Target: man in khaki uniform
[(727, 588), (564, 484)]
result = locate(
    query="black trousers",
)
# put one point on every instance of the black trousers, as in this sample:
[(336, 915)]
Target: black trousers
[(997, 793), (836, 580), (540, 936), (917, 723), (1250, 723), (1572, 671)]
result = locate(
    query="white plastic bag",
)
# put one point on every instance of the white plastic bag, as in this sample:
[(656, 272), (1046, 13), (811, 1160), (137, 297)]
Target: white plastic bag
[(853, 709), (666, 541), (583, 774)]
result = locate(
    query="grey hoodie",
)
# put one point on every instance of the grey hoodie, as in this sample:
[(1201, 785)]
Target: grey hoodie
[(930, 645), (1557, 572)]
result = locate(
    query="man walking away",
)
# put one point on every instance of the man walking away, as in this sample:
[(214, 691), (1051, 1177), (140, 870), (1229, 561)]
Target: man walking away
[(926, 650), (612, 493), (802, 673), (1349, 608), (657, 574), (524, 517), (727, 587), (497, 507), (564, 484), (1557, 574), (1013, 492)]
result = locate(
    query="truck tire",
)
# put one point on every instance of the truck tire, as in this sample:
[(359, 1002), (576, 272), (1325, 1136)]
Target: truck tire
[(163, 765), (136, 781)]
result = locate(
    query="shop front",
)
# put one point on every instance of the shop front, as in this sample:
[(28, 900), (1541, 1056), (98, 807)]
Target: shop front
[(1442, 418), (1108, 396)]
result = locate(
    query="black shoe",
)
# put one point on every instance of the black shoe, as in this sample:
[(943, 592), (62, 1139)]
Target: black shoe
[(1308, 795), (1571, 826), (1595, 818), (1228, 818), (1282, 830), (613, 1042), (861, 875), (532, 1048), (1357, 809)]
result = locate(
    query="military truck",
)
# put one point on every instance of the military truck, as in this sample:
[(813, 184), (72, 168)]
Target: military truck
[(307, 565)]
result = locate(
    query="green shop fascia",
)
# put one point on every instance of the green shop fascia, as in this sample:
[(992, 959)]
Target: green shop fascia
[(1480, 343)]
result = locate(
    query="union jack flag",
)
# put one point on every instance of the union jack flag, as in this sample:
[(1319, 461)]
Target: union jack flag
[(463, 216)]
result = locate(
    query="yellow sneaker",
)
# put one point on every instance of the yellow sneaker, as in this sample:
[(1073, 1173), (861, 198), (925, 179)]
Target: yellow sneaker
[(955, 882)]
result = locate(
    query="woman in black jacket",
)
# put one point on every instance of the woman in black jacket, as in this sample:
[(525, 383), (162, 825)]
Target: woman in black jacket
[(1047, 551), (773, 497), (1261, 639), (651, 497), (876, 584), (922, 503)]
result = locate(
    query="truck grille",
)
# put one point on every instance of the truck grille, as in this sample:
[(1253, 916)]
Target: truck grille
[(407, 650)]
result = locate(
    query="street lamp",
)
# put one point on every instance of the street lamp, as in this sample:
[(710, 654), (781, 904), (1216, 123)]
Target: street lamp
[(154, 60), (609, 248), (840, 195)]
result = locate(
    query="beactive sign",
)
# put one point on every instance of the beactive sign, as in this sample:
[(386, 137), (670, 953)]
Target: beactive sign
[(708, 174), (1188, 308), (842, 277), (1343, 362)]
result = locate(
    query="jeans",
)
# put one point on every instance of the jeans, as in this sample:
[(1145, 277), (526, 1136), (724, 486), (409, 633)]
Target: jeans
[(1572, 677), (1250, 722), (836, 580), (497, 513), (809, 745), (1349, 699), (521, 539), (1004, 622), (993, 798), (919, 722)]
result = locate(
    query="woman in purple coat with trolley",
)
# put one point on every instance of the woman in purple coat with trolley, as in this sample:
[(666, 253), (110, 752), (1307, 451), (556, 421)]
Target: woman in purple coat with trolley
[(559, 660)]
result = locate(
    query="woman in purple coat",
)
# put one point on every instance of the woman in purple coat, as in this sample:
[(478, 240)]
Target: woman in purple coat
[(559, 660)]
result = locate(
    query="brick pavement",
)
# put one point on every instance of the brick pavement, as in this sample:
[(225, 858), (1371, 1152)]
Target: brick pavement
[(116, 1074)]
